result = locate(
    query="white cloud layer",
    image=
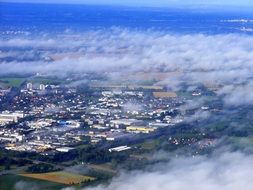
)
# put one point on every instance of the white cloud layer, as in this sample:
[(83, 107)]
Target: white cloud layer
[(197, 58), (209, 55)]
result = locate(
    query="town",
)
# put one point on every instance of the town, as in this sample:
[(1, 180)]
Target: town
[(50, 118), (50, 127)]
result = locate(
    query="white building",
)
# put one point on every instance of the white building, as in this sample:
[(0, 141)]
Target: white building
[(126, 122), (7, 117), (119, 149), (42, 87), (64, 149), (29, 86)]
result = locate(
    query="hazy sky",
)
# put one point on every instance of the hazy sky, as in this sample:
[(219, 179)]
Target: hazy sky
[(147, 2)]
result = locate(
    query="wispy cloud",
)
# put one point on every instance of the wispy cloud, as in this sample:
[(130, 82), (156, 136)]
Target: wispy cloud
[(226, 171)]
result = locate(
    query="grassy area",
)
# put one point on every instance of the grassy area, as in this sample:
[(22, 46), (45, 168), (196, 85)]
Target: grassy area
[(6, 82), (11, 82), (44, 81), (186, 95), (242, 141), (61, 177), (82, 146), (150, 144), (10, 182), (218, 126), (102, 168)]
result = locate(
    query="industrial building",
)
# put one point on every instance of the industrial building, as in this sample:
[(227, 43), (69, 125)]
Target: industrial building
[(140, 129)]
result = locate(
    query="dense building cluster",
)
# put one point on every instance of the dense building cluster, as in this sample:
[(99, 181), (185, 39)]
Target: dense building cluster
[(50, 118)]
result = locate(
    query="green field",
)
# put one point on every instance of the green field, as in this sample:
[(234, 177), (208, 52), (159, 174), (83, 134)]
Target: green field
[(241, 142), (11, 82), (60, 177), (15, 182), (7, 82), (44, 81), (150, 144)]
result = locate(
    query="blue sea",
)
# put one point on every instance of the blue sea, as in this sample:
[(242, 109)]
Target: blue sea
[(21, 18)]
